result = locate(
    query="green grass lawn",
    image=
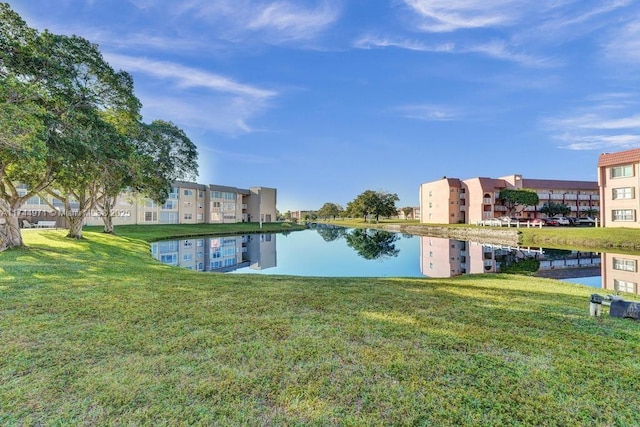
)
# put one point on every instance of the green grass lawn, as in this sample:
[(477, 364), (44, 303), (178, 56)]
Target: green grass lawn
[(96, 332)]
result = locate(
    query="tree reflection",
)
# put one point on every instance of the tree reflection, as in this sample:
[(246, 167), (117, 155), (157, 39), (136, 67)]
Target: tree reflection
[(373, 244), (329, 234)]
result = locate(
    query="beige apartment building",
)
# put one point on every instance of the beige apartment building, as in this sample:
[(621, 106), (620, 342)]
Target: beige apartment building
[(618, 177), (188, 203), (453, 201)]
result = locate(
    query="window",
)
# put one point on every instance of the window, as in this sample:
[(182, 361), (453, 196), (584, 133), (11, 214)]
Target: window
[(174, 193), (622, 171), (188, 192), (230, 196), (187, 243), (188, 216), (216, 204), (169, 204), (150, 216), (150, 204), (216, 194), (622, 215), (199, 217), (169, 217), (624, 264), (200, 194), (623, 193), (169, 258), (624, 286), (187, 257)]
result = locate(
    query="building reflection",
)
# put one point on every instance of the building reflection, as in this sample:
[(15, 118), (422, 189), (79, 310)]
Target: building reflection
[(620, 272), (442, 258), (219, 254)]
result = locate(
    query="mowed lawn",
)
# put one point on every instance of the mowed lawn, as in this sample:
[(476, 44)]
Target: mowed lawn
[(95, 332)]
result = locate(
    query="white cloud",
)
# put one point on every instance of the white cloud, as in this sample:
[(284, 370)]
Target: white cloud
[(368, 42), (429, 112), (624, 45), (495, 49), (452, 15), (613, 115), (601, 142), (186, 77), (196, 98), (273, 22)]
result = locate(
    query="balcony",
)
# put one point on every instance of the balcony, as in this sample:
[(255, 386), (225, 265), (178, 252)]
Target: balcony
[(487, 201)]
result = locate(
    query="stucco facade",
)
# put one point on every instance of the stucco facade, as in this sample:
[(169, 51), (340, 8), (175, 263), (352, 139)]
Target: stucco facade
[(188, 203), (451, 200), (619, 180)]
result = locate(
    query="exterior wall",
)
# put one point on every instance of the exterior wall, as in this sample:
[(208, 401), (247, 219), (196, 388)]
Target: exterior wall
[(188, 203), (471, 200), (609, 184), (261, 204), (440, 202)]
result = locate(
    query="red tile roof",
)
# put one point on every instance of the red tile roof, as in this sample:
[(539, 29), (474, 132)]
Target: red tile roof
[(553, 184), (619, 158)]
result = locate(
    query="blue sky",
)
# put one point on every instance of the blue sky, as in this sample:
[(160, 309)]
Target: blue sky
[(326, 99)]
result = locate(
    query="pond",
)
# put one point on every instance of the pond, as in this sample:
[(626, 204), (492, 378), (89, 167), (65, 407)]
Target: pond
[(340, 252)]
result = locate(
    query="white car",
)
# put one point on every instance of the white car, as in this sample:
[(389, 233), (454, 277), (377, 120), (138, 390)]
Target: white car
[(558, 220), (586, 221)]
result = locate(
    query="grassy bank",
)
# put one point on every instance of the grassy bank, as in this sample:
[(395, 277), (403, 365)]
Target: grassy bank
[(587, 238), (96, 332)]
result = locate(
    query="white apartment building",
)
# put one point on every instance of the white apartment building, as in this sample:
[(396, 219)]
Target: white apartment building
[(188, 203)]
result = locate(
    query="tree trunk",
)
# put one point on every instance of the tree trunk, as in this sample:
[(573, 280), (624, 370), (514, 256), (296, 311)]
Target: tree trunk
[(106, 210), (10, 235), (75, 226)]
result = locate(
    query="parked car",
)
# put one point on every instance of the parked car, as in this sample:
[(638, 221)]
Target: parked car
[(586, 221), (538, 221), (558, 220)]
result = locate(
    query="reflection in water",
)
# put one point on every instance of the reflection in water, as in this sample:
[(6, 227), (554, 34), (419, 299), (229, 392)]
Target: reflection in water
[(222, 254), (373, 244), (336, 251)]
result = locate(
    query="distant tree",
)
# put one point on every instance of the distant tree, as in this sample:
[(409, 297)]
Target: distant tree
[(329, 210), (407, 211), (376, 203), (518, 200), (553, 209)]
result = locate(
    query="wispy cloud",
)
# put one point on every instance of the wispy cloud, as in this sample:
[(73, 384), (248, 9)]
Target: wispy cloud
[(601, 142), (196, 98), (624, 44), (452, 15), (495, 49), (271, 21), (370, 42), (615, 119), (429, 112), (186, 77)]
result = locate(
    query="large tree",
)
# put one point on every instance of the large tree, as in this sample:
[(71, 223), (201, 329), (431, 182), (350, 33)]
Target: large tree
[(161, 154), (56, 89), (329, 210), (518, 200), (376, 203)]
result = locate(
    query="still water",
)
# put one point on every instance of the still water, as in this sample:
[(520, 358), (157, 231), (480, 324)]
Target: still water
[(341, 252)]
